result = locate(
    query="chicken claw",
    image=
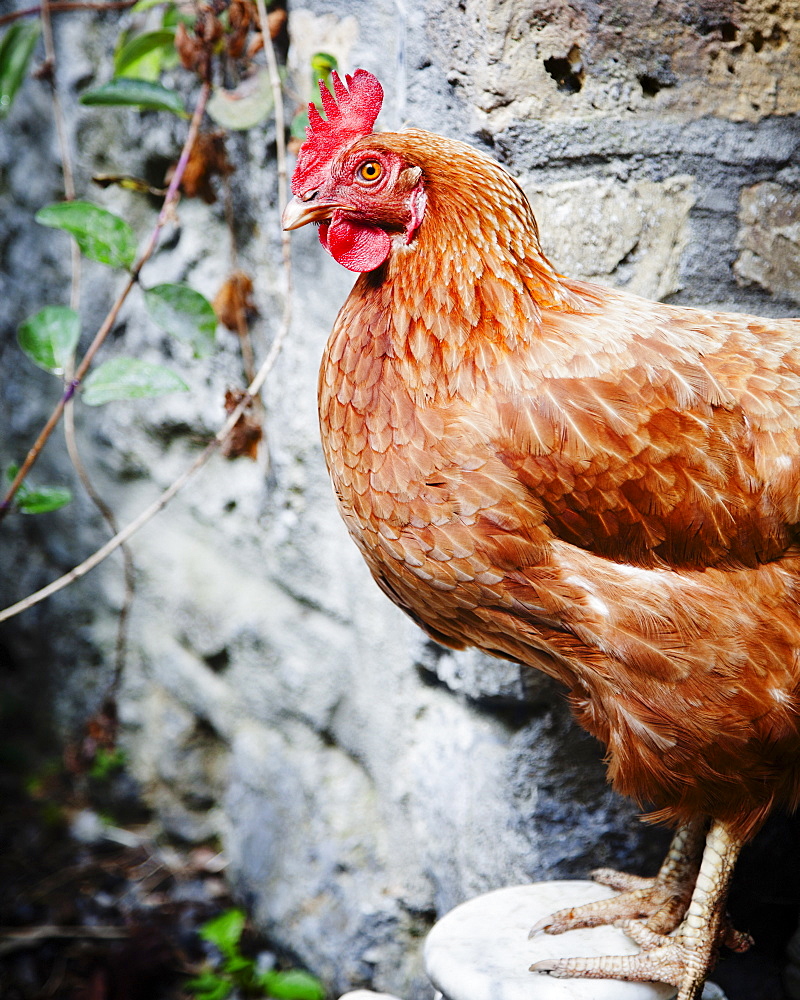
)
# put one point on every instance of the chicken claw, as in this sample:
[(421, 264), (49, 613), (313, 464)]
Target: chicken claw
[(684, 958), (663, 899)]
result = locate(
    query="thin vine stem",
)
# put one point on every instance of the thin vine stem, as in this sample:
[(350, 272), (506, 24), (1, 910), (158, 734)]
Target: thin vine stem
[(63, 141), (108, 323), (283, 174)]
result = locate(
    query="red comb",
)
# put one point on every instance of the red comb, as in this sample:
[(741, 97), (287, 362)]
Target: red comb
[(351, 112)]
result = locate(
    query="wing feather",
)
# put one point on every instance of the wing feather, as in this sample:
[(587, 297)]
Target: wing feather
[(687, 443)]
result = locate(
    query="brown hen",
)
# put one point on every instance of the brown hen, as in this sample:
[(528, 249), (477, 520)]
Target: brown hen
[(592, 484)]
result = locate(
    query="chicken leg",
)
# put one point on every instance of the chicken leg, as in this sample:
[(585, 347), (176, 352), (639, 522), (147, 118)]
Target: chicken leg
[(684, 958)]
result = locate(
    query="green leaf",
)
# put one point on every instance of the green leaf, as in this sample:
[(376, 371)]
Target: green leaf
[(50, 337), (173, 16), (225, 931), (323, 63), (142, 56), (235, 964), (299, 126), (244, 107), (100, 235), (129, 378), (184, 313), (147, 66), (43, 500), (40, 501), (107, 762), (147, 5), (294, 984), (209, 986), (16, 49), (144, 94)]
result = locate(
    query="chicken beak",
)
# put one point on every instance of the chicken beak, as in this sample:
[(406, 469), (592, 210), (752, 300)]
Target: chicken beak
[(299, 213)]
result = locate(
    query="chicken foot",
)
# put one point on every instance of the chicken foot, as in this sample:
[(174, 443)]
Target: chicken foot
[(663, 899), (682, 959)]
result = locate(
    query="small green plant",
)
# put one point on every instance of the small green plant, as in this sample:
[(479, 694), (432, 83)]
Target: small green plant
[(107, 762), (237, 972), (322, 65), (16, 49), (41, 500)]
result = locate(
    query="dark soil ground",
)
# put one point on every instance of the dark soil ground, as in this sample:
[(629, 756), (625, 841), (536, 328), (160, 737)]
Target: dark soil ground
[(97, 904), (93, 906)]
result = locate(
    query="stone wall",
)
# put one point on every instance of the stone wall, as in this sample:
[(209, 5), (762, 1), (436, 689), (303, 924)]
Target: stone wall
[(363, 780)]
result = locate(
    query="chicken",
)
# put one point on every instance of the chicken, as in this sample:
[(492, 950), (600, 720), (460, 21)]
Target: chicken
[(577, 479)]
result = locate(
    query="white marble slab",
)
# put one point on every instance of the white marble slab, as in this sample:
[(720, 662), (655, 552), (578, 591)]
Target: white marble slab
[(367, 995), (480, 950)]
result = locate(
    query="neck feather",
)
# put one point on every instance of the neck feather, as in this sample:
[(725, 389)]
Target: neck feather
[(471, 286)]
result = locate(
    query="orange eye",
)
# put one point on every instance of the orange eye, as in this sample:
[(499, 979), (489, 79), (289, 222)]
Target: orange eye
[(370, 171)]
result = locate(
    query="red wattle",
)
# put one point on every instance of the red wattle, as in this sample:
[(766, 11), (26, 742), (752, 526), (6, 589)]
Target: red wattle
[(356, 247)]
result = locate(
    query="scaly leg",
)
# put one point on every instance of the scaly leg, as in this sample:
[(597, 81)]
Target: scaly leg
[(663, 899), (685, 958)]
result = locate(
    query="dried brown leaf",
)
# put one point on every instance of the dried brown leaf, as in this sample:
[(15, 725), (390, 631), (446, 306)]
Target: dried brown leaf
[(208, 159), (189, 48), (244, 439), (208, 27), (276, 19), (233, 303), (242, 14)]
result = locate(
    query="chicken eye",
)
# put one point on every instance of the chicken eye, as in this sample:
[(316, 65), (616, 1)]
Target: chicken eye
[(370, 171)]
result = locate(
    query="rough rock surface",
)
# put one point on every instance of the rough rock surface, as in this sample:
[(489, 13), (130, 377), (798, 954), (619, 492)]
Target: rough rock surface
[(517, 60), (770, 238), (363, 780)]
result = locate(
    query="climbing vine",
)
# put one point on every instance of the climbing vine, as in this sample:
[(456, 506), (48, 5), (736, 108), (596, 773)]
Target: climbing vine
[(225, 49)]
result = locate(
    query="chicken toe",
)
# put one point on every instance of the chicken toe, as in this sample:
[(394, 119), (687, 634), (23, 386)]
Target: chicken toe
[(671, 962)]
